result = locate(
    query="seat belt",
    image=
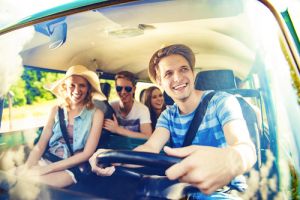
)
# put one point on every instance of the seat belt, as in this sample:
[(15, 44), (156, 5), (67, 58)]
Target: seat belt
[(198, 117), (63, 128)]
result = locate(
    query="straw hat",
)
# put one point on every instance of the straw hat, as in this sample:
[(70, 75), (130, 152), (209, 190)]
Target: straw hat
[(79, 70)]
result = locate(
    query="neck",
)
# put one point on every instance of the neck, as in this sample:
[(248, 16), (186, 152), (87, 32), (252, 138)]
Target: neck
[(126, 107), (75, 110), (76, 107), (157, 111), (189, 104)]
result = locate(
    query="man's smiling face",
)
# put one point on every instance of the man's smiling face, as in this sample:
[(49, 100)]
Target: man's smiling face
[(176, 77)]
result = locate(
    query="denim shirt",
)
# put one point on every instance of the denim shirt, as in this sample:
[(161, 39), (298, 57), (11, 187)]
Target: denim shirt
[(81, 131)]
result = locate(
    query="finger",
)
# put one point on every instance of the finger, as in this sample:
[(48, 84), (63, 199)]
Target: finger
[(111, 170), (92, 160), (193, 176), (114, 117), (176, 171), (205, 189), (180, 152), (105, 171), (106, 126), (108, 121)]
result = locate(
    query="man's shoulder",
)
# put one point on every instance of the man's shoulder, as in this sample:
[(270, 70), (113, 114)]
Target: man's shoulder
[(140, 105), (218, 95), (114, 104), (171, 109)]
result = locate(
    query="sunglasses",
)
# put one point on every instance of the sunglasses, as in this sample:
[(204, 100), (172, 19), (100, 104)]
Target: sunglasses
[(128, 89)]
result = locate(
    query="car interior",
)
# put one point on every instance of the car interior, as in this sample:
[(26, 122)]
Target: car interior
[(239, 49)]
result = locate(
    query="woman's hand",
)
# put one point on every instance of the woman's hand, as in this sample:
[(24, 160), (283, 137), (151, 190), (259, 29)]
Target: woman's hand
[(107, 171), (36, 170), (21, 170)]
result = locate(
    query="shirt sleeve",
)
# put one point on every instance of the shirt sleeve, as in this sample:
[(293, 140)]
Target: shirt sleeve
[(227, 108), (163, 120), (144, 114)]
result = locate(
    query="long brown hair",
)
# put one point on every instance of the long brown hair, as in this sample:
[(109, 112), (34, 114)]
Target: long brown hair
[(147, 101)]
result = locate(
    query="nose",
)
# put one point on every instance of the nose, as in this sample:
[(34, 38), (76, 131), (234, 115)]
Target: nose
[(76, 89), (177, 76), (123, 91)]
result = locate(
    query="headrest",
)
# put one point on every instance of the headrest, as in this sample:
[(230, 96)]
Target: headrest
[(215, 80), (105, 87)]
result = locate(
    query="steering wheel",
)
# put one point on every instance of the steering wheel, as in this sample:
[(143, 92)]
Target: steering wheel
[(154, 164)]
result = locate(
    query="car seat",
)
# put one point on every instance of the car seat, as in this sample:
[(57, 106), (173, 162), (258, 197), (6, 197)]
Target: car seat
[(105, 88), (224, 80)]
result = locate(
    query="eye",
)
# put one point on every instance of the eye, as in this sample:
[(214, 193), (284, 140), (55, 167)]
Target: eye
[(82, 86), (185, 69), (71, 85), (168, 74)]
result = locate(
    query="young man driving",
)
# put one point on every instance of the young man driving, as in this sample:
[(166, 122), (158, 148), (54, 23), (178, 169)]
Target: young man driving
[(222, 148)]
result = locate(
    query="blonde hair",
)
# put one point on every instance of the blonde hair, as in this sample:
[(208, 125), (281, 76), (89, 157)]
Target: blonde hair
[(87, 100)]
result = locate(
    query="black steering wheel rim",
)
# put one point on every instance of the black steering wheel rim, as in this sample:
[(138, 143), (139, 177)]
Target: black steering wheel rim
[(154, 163)]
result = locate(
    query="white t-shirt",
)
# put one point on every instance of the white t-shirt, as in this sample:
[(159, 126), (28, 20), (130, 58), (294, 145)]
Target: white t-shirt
[(139, 114)]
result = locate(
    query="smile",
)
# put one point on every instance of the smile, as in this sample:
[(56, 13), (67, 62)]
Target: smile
[(179, 87)]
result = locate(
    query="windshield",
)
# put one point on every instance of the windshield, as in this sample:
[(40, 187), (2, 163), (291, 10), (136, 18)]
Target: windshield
[(240, 36)]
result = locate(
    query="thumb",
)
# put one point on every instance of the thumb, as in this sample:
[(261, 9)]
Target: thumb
[(114, 117), (180, 152)]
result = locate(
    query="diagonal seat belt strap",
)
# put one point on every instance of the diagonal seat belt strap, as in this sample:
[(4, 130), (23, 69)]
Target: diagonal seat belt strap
[(198, 117)]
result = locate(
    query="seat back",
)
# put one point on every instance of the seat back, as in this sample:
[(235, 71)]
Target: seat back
[(215, 80), (105, 88), (224, 80), (252, 124)]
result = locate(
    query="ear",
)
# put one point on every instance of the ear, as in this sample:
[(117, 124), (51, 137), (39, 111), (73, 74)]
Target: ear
[(158, 80)]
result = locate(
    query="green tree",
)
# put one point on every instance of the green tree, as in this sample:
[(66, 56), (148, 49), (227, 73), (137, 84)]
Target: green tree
[(19, 93), (30, 87)]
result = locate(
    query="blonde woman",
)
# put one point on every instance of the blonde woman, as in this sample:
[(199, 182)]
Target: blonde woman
[(83, 122)]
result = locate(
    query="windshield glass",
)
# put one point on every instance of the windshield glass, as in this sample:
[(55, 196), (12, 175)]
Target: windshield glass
[(240, 36)]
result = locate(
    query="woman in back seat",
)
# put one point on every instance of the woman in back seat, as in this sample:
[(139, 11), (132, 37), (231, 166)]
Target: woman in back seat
[(154, 100)]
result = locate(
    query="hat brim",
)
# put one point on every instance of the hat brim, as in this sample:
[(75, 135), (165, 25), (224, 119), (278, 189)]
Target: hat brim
[(90, 76)]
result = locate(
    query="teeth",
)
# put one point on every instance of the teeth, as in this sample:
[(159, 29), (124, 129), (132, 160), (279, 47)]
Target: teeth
[(179, 86)]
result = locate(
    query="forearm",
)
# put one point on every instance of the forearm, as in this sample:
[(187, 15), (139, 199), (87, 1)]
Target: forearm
[(156, 142), (243, 156), (34, 156), (68, 162), (147, 148)]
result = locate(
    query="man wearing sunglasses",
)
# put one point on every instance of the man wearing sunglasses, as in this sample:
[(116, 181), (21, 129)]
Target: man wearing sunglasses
[(132, 118)]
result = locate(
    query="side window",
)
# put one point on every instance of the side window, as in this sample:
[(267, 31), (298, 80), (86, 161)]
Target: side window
[(27, 103)]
